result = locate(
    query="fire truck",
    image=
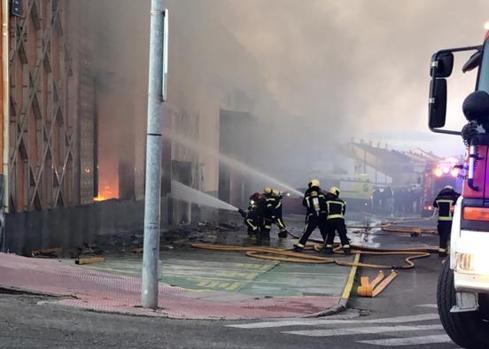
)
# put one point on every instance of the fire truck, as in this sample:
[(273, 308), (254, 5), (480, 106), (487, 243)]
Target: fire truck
[(436, 176), (463, 285)]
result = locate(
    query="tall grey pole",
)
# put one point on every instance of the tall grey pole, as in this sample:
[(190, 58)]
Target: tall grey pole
[(152, 196)]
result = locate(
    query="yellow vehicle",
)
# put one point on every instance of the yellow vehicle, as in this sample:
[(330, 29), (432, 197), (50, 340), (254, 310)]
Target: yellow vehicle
[(357, 193)]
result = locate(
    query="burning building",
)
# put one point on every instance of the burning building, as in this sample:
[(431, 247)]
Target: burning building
[(73, 120)]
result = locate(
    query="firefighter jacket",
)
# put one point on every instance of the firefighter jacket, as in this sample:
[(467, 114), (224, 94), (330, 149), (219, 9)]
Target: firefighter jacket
[(273, 205), (335, 206), (315, 201), (444, 202)]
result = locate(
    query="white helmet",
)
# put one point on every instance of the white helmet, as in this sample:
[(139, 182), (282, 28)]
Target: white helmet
[(335, 191), (315, 183)]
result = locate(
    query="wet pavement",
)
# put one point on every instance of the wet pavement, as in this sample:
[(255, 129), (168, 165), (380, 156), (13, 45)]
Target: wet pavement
[(194, 284), (234, 273), (110, 292), (202, 284), (403, 315)]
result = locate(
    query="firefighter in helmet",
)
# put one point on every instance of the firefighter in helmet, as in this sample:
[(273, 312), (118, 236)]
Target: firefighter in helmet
[(273, 213), (335, 221), (316, 212), (253, 216), (445, 203), (278, 215)]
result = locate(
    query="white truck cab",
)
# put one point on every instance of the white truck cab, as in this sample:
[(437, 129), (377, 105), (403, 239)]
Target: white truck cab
[(463, 285)]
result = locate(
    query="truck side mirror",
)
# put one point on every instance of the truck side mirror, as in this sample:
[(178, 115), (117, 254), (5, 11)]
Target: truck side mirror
[(473, 62), (438, 103), (441, 64), (476, 106)]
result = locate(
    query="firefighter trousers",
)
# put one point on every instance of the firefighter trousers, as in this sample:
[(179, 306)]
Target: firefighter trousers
[(336, 225), (280, 223), (312, 222), (444, 229), (252, 223), (267, 226)]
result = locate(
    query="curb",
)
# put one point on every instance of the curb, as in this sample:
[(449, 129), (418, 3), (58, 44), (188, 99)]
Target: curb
[(345, 295)]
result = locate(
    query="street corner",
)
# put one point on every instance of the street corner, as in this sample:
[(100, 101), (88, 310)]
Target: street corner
[(226, 286)]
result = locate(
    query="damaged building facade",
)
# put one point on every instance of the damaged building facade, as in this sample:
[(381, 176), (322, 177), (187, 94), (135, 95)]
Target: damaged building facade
[(74, 82)]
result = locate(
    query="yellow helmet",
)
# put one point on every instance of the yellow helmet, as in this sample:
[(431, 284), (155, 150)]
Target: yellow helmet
[(267, 190), (335, 190), (315, 183), (276, 192)]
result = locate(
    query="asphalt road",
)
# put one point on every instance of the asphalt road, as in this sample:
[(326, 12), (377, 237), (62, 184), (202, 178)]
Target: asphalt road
[(403, 316)]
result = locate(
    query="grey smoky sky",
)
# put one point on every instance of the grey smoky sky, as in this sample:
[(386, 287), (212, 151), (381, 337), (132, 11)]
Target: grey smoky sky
[(354, 67)]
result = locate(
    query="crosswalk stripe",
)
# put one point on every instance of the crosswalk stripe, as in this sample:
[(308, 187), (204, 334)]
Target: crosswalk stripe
[(401, 319), (315, 322), (363, 330), (397, 342), (434, 306)]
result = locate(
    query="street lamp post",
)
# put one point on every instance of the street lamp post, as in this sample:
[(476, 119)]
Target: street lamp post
[(152, 198)]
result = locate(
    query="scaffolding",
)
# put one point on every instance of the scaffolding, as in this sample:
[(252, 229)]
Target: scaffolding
[(51, 109)]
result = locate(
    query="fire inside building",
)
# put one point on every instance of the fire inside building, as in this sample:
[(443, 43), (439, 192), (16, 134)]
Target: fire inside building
[(73, 124), (73, 119)]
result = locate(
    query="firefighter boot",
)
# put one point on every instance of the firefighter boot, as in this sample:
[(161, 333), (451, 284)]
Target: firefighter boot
[(298, 247), (328, 250)]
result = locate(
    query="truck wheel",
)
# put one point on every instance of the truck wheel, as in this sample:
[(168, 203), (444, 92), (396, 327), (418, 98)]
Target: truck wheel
[(469, 329)]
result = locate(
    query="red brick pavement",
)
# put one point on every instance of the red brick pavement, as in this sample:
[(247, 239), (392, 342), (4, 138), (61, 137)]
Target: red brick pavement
[(106, 292)]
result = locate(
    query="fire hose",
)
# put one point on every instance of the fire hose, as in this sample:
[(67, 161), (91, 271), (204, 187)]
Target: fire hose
[(277, 254), (393, 227), (366, 289)]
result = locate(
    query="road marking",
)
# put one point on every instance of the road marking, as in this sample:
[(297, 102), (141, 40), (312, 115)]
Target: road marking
[(238, 275), (351, 278), (431, 305), (315, 322), (363, 330), (397, 342), (234, 286), (401, 319)]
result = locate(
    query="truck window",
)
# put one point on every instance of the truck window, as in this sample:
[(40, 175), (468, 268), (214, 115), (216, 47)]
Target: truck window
[(484, 70)]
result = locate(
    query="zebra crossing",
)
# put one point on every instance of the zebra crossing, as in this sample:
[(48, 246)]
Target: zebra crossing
[(398, 331)]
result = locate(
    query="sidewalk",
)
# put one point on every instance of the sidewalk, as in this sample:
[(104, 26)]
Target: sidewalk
[(195, 284)]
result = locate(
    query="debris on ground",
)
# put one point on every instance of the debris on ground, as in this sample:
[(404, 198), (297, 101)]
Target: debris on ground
[(171, 238), (47, 252), (89, 260)]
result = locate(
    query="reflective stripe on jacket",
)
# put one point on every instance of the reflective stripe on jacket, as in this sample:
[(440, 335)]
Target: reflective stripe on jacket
[(336, 208), (445, 202)]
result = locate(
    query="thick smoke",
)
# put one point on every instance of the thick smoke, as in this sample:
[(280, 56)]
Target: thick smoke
[(355, 68), (313, 73)]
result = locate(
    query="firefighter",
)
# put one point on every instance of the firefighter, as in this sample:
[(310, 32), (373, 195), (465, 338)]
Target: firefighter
[(253, 216), (272, 213), (444, 203), (278, 216), (316, 211), (335, 221), (267, 214)]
